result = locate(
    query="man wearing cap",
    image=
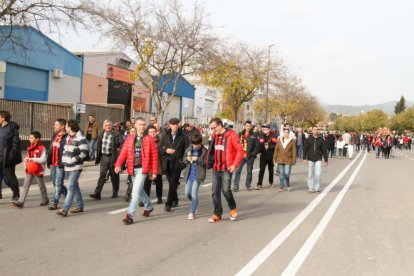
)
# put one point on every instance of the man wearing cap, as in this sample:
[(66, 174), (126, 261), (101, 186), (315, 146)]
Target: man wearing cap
[(171, 148), (267, 144)]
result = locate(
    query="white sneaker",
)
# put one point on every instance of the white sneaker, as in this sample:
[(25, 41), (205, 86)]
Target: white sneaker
[(191, 216)]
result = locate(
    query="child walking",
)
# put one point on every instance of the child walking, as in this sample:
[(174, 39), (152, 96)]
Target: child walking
[(195, 172), (35, 163)]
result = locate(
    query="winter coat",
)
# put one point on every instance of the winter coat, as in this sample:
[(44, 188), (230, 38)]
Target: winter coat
[(173, 161), (267, 154), (149, 154), (285, 155), (75, 153), (95, 130), (13, 154), (116, 145), (201, 163), (315, 149), (253, 146), (233, 150)]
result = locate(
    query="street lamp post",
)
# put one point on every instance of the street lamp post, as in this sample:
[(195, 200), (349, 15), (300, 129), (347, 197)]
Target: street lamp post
[(267, 84)]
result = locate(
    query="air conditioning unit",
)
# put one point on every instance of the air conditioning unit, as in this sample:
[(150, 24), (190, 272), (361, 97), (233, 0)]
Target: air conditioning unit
[(57, 73)]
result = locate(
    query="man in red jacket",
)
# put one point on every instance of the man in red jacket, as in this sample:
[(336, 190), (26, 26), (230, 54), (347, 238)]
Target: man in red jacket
[(224, 156), (141, 154)]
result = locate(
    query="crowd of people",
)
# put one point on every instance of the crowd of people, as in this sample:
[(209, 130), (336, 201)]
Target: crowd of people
[(146, 151)]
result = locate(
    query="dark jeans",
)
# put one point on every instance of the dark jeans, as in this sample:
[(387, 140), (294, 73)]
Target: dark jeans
[(173, 177), (249, 176), (158, 186), (9, 176), (222, 183), (387, 151), (299, 151), (107, 164), (270, 166)]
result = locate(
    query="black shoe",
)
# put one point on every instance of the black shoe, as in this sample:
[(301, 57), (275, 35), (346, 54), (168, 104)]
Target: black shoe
[(159, 201), (53, 207), (95, 196), (167, 208), (140, 204), (174, 204), (235, 190), (44, 203), (249, 189), (1, 196), (127, 198), (115, 195)]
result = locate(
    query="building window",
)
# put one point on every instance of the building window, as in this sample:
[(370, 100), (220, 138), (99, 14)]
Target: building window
[(124, 63)]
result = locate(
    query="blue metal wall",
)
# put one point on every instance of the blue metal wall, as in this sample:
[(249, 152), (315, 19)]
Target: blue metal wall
[(24, 83), (31, 57), (184, 88), (33, 49)]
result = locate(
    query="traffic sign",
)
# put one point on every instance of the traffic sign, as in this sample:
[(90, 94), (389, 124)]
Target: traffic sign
[(80, 108)]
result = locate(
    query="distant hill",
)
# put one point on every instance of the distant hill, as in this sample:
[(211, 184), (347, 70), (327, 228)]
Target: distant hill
[(355, 110)]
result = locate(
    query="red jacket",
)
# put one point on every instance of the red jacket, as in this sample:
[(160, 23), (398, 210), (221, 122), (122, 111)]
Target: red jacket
[(149, 154), (234, 150)]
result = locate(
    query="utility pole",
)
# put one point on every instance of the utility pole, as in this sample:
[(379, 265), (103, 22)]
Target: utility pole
[(267, 84)]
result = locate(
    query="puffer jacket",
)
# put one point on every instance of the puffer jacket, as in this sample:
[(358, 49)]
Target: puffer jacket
[(13, 154), (149, 154), (233, 149)]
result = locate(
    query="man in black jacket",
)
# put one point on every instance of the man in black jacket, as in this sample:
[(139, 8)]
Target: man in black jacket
[(330, 139), (108, 148), (315, 148), (267, 144), (54, 161), (10, 153), (250, 144), (171, 148)]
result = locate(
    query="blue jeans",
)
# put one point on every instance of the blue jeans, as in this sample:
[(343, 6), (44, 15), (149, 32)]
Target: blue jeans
[(92, 148), (378, 151), (138, 193), (314, 175), (284, 175), (191, 191), (299, 150), (221, 183), (57, 174), (249, 176), (74, 192)]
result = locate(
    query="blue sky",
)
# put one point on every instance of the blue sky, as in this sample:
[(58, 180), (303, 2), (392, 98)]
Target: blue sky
[(346, 52)]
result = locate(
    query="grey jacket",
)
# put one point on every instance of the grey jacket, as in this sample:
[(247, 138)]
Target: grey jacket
[(201, 163)]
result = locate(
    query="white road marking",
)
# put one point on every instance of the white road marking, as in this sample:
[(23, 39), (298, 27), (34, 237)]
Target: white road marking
[(307, 247), (126, 209), (209, 184), (265, 253)]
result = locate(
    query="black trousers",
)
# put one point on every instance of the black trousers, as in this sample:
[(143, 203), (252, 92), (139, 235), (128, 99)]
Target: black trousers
[(158, 186), (107, 165), (173, 177), (263, 163), (9, 176)]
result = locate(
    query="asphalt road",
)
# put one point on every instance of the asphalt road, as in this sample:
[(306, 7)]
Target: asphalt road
[(361, 224)]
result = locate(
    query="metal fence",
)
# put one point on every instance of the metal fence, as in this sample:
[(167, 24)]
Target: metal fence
[(35, 116), (115, 113)]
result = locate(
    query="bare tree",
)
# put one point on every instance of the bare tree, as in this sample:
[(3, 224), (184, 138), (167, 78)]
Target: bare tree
[(43, 15), (168, 41)]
